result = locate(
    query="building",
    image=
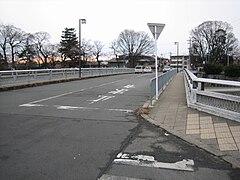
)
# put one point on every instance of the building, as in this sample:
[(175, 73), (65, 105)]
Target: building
[(180, 61), (143, 60)]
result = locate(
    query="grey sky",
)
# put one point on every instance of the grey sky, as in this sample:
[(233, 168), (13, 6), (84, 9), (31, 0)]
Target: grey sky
[(107, 18)]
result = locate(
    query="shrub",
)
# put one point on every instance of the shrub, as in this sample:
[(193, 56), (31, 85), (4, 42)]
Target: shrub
[(213, 68), (232, 70)]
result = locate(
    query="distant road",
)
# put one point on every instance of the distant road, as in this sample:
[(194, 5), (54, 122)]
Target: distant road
[(68, 130)]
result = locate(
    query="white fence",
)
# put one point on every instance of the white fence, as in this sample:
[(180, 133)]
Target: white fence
[(213, 96), (30, 76)]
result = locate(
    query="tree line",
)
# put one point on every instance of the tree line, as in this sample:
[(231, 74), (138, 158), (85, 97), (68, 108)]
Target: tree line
[(211, 41), (129, 43), (31, 48), (28, 47)]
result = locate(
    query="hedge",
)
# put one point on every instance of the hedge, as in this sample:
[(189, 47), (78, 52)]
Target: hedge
[(232, 70)]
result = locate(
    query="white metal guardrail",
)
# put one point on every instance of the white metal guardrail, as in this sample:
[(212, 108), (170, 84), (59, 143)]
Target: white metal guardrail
[(30, 76), (214, 102), (163, 80)]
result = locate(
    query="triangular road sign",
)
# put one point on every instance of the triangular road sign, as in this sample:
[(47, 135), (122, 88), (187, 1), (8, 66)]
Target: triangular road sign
[(156, 28)]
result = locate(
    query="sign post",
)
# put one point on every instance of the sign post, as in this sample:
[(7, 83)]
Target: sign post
[(156, 29)]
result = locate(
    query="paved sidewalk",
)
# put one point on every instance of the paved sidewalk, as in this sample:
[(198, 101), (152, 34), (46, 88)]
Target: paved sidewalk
[(216, 135)]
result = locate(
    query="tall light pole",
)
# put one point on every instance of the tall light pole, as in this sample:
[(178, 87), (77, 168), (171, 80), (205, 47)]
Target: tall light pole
[(156, 30), (81, 21), (177, 43)]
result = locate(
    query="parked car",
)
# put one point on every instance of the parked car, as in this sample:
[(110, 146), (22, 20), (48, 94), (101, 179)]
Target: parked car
[(147, 69), (166, 69), (139, 69)]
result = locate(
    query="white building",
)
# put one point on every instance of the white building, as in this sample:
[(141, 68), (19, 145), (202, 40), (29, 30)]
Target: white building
[(180, 61)]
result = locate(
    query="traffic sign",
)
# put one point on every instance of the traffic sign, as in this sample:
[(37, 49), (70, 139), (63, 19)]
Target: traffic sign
[(156, 29)]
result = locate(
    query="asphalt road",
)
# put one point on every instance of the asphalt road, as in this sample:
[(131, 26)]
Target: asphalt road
[(69, 130), (75, 131)]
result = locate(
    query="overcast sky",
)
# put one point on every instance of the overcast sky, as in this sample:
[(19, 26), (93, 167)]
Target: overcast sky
[(107, 18)]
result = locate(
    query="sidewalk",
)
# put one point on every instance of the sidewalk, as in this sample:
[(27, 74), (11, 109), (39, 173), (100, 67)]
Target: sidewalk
[(216, 135)]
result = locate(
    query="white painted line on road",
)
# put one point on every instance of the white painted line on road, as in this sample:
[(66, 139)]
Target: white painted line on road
[(75, 108), (101, 98), (121, 110), (149, 161), (91, 108), (112, 177), (129, 86), (60, 107), (52, 97), (64, 94), (118, 91), (32, 105)]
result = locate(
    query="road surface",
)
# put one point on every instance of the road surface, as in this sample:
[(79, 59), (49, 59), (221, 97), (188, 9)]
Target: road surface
[(75, 130)]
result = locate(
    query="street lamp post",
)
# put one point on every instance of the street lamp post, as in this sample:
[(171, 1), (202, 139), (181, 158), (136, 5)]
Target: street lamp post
[(177, 43), (228, 49), (81, 21), (156, 30)]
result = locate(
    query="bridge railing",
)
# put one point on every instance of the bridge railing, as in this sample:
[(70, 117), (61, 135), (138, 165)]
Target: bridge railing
[(163, 80), (217, 97), (29, 76)]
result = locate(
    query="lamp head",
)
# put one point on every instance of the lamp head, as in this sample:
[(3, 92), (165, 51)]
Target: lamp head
[(83, 21)]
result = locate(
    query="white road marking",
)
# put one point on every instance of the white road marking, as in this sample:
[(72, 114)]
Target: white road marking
[(121, 110), (75, 108), (129, 86), (101, 98), (118, 91), (31, 105), (52, 97), (149, 161), (90, 108), (64, 94), (60, 107), (112, 177)]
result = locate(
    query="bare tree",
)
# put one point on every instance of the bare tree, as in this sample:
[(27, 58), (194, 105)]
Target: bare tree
[(134, 44), (27, 51), (87, 48), (15, 39), (213, 40), (97, 50), (114, 46), (3, 43), (11, 39), (53, 53), (42, 46)]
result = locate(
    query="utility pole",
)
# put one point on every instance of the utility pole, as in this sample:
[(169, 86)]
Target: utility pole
[(177, 43)]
